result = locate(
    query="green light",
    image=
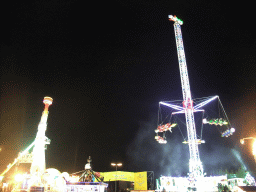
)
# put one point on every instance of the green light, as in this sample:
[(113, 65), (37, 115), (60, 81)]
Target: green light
[(180, 21)]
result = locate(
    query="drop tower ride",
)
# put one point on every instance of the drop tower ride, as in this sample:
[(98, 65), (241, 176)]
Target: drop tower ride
[(38, 160), (195, 164)]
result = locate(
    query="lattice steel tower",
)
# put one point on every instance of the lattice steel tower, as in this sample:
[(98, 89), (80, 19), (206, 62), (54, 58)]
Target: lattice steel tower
[(195, 165)]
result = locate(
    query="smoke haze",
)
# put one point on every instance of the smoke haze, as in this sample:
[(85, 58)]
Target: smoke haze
[(172, 159)]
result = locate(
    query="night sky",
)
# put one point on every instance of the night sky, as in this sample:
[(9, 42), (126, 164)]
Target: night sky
[(108, 64)]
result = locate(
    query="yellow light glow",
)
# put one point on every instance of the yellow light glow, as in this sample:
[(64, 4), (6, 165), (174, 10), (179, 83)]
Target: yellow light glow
[(254, 148), (5, 184), (116, 164), (18, 177), (73, 179)]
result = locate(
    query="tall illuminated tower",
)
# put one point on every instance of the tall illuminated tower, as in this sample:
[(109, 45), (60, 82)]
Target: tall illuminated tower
[(195, 165), (38, 163)]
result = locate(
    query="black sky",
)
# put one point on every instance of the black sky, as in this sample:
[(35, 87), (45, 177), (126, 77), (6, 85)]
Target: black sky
[(107, 64)]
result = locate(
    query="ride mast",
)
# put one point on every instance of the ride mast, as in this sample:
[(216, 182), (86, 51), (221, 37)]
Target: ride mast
[(195, 164)]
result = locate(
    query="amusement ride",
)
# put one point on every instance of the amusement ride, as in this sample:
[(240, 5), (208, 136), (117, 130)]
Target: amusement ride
[(40, 179), (188, 108)]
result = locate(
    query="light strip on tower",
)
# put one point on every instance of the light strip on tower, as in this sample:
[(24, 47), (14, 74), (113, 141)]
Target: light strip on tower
[(171, 105), (205, 102)]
